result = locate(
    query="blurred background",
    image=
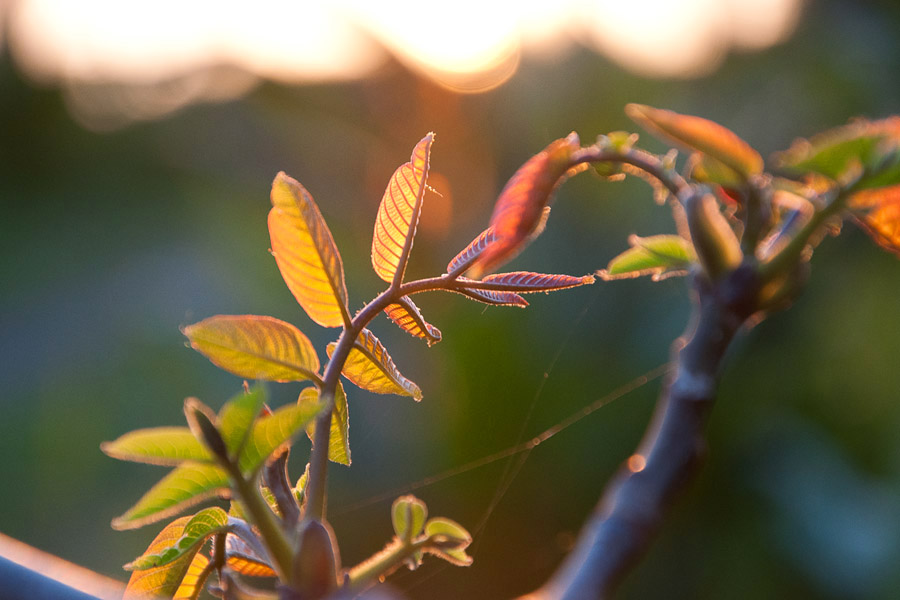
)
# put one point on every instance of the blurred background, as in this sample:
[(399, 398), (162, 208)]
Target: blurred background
[(138, 141)]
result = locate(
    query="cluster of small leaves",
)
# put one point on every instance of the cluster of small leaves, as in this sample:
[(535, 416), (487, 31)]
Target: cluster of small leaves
[(729, 212)]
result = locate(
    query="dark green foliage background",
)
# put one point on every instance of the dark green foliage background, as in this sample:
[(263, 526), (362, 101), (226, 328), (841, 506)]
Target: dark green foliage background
[(109, 242)]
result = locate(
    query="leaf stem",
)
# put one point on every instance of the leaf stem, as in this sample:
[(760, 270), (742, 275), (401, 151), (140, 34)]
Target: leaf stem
[(277, 544)]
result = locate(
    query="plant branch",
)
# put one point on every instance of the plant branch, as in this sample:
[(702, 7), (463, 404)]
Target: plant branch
[(275, 475), (635, 503)]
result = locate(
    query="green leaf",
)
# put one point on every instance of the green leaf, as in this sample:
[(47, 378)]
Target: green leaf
[(237, 415), (306, 254), (408, 515), (255, 347), (158, 446), (270, 432), (202, 525), (448, 540), (370, 367), (162, 581), (187, 485), (658, 255), (339, 439)]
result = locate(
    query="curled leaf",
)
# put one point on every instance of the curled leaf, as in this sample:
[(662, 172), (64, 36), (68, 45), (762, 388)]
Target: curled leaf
[(701, 135), (522, 208), (491, 297), (306, 254), (243, 559), (204, 524), (408, 515), (164, 580), (255, 347), (407, 316), (398, 214), (370, 367)]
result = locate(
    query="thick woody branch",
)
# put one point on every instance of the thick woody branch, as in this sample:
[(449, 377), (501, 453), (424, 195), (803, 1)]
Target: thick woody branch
[(636, 502)]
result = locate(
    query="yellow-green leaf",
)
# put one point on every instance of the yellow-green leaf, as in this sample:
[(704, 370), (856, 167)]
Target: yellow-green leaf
[(158, 446), (339, 439), (255, 347), (408, 515), (702, 135), (271, 431), (237, 415), (659, 255), (187, 485), (398, 214), (164, 580), (370, 367), (407, 316), (306, 254)]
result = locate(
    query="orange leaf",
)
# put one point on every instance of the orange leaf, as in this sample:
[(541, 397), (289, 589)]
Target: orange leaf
[(370, 367), (881, 216), (255, 347), (523, 205), (193, 581), (701, 135), (306, 254), (398, 214), (166, 579), (407, 316)]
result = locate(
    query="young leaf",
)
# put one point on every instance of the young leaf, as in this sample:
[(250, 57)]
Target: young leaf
[(306, 255), (658, 255), (370, 367), (339, 440), (204, 425), (255, 347), (187, 485), (491, 297), (468, 255), (236, 418), (398, 214), (701, 135), (243, 559), (408, 515), (164, 580), (407, 316), (880, 215), (270, 432), (194, 580), (525, 282), (522, 208), (204, 524), (158, 446), (448, 540)]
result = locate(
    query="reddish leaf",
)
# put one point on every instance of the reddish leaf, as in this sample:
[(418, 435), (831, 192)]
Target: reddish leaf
[(494, 298), (465, 258), (241, 558), (306, 254), (407, 316), (525, 282), (398, 214), (521, 209), (880, 216), (701, 135)]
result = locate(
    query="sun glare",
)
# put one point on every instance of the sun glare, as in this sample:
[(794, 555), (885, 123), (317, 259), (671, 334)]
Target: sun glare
[(467, 45)]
